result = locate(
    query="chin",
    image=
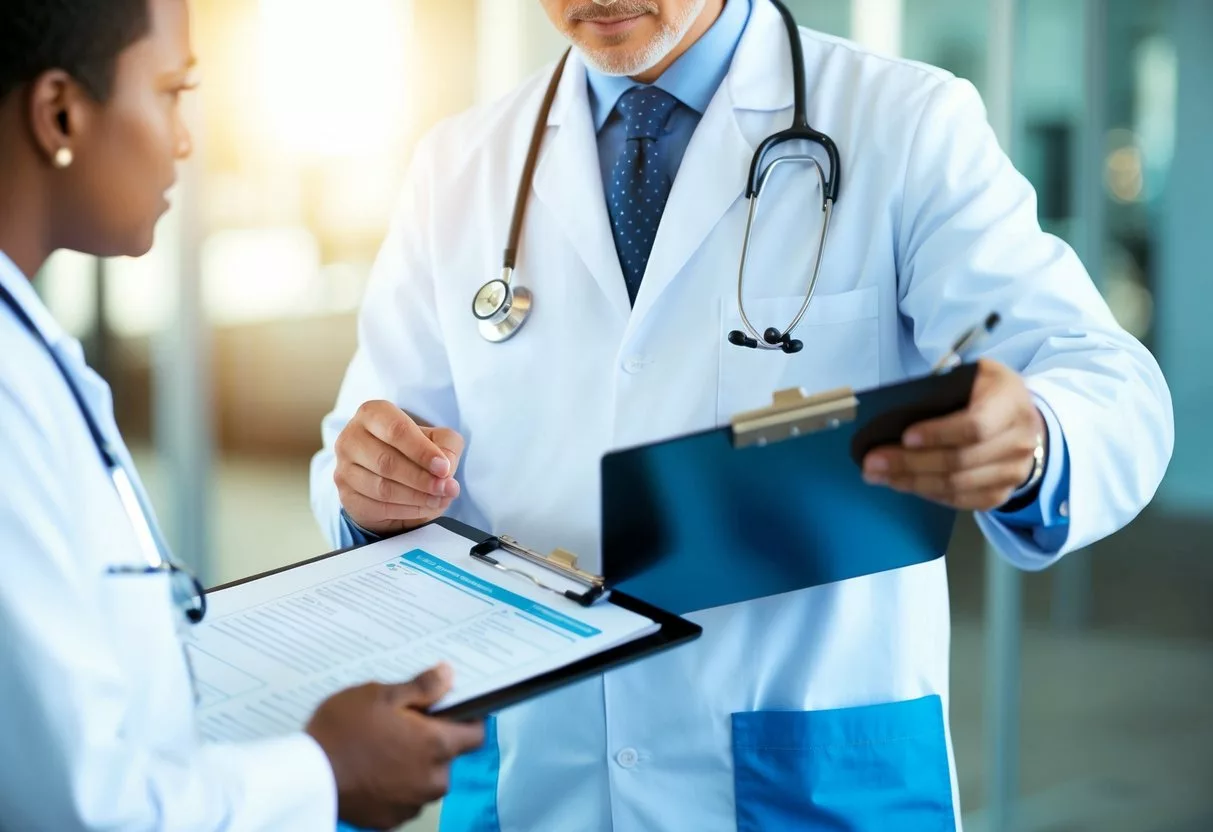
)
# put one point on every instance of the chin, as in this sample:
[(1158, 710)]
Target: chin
[(623, 59), (135, 244), (143, 245), (630, 54), (113, 242)]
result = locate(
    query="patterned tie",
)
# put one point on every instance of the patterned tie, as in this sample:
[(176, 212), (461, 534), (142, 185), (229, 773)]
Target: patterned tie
[(639, 186)]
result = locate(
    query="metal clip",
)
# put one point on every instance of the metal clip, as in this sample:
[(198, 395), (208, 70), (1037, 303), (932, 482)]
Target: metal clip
[(793, 414), (560, 561)]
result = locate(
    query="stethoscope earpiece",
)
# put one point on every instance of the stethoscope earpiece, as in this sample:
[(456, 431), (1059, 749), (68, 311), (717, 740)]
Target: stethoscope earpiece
[(739, 339), (785, 342)]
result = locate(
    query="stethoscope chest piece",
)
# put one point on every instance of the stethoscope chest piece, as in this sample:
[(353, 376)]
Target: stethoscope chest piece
[(501, 308)]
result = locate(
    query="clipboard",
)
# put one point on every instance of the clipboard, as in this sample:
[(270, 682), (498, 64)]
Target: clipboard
[(775, 501), (672, 631)]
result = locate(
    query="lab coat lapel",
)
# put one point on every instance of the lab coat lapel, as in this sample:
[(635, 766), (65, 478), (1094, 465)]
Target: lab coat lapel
[(569, 182), (712, 176)]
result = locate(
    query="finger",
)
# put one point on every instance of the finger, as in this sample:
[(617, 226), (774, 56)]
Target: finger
[(392, 426), (459, 738), (423, 691), (965, 489), (894, 461), (451, 444), (980, 501), (380, 489), (439, 782), (373, 512), (384, 460), (978, 423)]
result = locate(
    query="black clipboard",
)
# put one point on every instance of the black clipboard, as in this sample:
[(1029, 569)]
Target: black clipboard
[(774, 501), (673, 631)]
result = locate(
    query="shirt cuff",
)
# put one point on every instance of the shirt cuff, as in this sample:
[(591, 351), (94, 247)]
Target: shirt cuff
[(1046, 518), (354, 535)]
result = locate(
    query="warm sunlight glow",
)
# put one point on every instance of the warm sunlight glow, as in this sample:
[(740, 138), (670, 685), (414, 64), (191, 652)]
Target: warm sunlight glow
[(332, 74)]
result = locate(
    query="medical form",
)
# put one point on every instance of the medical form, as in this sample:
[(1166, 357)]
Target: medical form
[(271, 650)]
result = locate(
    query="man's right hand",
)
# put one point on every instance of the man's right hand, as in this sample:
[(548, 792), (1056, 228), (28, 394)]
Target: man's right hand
[(388, 758), (392, 474)]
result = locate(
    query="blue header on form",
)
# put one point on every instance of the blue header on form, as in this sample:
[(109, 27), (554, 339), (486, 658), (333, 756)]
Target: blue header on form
[(439, 567)]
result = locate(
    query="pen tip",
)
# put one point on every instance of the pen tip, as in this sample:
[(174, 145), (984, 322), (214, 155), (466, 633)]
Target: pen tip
[(992, 321)]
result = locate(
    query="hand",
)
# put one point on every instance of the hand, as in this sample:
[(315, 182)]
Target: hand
[(388, 758), (392, 474), (972, 460)]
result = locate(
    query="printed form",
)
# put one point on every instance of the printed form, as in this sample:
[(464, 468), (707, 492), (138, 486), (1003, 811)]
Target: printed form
[(273, 649)]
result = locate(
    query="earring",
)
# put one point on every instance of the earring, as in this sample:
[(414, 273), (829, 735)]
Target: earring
[(64, 158)]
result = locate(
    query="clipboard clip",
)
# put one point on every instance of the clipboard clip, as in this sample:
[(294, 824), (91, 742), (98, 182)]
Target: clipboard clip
[(560, 561), (793, 414)]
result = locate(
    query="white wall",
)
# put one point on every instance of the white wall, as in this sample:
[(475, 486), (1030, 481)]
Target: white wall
[(514, 39)]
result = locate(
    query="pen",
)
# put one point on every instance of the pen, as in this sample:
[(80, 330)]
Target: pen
[(973, 336)]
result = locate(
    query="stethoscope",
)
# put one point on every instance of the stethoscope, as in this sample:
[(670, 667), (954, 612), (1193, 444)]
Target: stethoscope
[(188, 595), (501, 307)]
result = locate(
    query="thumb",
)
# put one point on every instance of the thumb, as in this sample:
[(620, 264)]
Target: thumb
[(425, 690), (450, 442)]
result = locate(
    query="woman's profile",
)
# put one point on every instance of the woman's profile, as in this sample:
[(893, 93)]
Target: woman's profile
[(96, 695)]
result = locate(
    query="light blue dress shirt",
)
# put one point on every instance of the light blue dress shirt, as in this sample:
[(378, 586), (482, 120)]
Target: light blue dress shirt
[(694, 79)]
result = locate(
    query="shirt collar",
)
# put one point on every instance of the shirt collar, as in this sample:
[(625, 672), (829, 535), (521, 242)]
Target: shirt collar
[(19, 286), (693, 79)]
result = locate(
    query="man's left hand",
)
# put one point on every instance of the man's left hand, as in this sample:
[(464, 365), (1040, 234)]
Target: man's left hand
[(972, 460)]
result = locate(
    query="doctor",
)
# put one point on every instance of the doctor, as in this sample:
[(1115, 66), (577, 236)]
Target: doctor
[(824, 708), (95, 693)]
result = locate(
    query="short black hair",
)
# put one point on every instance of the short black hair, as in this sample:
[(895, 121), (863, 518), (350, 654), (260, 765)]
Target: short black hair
[(81, 37)]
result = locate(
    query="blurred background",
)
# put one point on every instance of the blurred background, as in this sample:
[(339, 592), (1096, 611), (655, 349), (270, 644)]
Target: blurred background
[(1081, 696)]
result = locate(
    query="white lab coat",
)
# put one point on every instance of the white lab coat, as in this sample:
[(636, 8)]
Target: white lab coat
[(760, 724), (96, 703)]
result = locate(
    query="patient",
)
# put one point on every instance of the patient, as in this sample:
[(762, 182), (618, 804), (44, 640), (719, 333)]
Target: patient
[(95, 692)]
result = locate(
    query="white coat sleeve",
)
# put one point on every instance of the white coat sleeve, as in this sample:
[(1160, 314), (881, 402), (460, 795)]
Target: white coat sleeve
[(401, 357), (969, 242), (67, 759)]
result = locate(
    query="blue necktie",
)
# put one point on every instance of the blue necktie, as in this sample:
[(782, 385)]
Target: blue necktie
[(639, 186)]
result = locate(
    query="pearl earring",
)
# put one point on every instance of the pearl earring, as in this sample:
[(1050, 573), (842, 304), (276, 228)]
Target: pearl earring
[(64, 158)]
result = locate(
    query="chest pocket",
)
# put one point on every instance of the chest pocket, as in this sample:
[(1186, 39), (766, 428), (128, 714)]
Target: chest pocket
[(841, 335)]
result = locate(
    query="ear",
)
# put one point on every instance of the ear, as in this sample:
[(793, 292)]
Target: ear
[(58, 114)]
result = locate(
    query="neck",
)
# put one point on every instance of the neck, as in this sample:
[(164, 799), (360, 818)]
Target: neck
[(24, 247), (25, 230), (707, 17), (24, 237)]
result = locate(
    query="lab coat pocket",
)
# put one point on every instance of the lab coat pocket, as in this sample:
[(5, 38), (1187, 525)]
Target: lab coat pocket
[(840, 332), (865, 769), (471, 802)]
